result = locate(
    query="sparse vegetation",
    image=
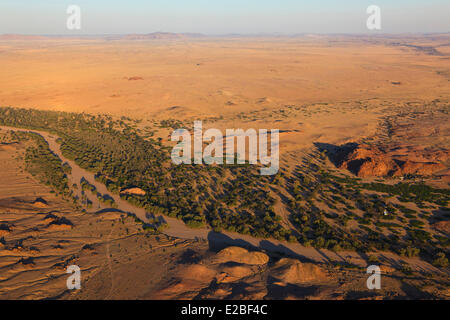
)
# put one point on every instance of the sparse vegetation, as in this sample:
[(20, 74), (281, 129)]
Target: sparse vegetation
[(235, 197)]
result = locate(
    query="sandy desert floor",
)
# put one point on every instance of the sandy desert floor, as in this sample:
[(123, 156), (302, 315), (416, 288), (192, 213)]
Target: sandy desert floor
[(238, 79), (393, 92), (214, 77)]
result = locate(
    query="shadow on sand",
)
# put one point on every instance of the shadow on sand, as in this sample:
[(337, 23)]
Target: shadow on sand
[(218, 241), (106, 210), (336, 153)]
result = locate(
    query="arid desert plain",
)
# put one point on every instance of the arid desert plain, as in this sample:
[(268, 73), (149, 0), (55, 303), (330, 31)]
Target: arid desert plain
[(86, 177)]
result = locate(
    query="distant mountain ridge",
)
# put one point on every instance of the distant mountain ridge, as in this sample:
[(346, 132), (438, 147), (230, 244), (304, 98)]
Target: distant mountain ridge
[(134, 36), (161, 36), (408, 40), (21, 37)]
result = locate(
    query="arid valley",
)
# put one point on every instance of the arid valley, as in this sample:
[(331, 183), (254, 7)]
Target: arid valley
[(86, 177)]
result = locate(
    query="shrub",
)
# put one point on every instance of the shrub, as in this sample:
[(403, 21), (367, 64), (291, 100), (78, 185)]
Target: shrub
[(440, 260)]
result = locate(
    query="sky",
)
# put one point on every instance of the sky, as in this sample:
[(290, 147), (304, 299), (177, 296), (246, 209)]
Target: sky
[(216, 17)]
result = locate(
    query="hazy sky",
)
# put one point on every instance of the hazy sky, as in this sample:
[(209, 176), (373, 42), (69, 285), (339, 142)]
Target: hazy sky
[(223, 16)]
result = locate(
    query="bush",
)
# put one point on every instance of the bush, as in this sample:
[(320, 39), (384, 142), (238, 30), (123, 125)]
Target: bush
[(440, 260), (409, 252)]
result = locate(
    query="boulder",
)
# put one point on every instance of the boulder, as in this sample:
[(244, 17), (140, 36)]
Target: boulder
[(40, 203), (370, 161), (241, 255), (293, 271), (133, 191)]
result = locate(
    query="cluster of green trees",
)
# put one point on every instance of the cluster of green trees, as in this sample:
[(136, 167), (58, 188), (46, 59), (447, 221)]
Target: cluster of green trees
[(106, 200), (86, 186), (172, 124), (45, 165), (312, 186), (417, 193), (232, 197)]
